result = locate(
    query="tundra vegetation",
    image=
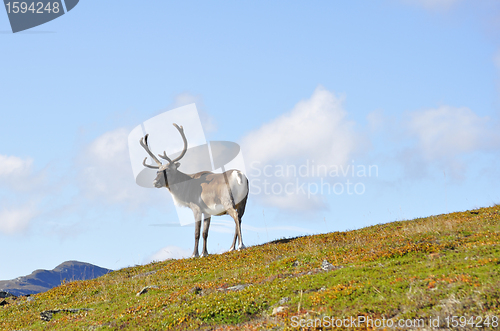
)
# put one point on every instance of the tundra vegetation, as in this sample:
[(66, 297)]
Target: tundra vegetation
[(446, 265)]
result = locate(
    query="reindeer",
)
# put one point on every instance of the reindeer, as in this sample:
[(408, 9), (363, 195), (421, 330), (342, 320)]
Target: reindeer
[(204, 193)]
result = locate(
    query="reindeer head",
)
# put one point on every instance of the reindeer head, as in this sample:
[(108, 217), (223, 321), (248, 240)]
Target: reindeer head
[(168, 171)]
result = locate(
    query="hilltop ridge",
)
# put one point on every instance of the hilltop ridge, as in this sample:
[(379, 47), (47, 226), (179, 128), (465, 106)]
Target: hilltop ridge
[(42, 280)]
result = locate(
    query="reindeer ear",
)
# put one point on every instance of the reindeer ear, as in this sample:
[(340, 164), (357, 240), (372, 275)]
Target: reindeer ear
[(177, 165)]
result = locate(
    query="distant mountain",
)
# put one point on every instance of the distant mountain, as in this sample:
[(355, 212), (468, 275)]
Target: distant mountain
[(43, 280)]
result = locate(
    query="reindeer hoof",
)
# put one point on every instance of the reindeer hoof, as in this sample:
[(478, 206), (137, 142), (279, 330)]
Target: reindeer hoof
[(231, 249), (195, 255), (204, 254), (241, 247)]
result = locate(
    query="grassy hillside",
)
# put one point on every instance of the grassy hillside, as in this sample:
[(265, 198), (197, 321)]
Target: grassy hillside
[(427, 268)]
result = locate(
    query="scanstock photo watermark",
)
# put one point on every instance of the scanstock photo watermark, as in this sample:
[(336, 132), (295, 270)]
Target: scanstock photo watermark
[(310, 179), (24, 15), (488, 321)]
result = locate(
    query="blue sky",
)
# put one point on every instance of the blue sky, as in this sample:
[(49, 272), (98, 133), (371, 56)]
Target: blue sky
[(411, 87)]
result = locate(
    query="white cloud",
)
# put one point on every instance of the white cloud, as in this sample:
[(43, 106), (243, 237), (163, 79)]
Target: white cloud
[(446, 132), (315, 132), (110, 147), (316, 128), (434, 140), (24, 189), (15, 220), (17, 174), (14, 166), (169, 252), (105, 172), (102, 172)]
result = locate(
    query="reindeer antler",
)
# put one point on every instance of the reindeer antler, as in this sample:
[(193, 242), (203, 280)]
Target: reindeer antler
[(184, 150), (144, 144)]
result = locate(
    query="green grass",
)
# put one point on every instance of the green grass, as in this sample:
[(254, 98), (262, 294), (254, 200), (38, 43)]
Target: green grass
[(439, 266)]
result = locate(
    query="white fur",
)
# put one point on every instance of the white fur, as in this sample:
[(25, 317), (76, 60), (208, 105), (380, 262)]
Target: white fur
[(239, 187)]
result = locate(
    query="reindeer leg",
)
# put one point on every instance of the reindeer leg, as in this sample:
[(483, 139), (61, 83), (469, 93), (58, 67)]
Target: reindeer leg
[(237, 232), (206, 226), (240, 210), (197, 225), (234, 240), (240, 245)]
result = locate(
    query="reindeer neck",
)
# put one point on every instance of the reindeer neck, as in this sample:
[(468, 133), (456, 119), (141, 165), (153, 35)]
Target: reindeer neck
[(177, 178)]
